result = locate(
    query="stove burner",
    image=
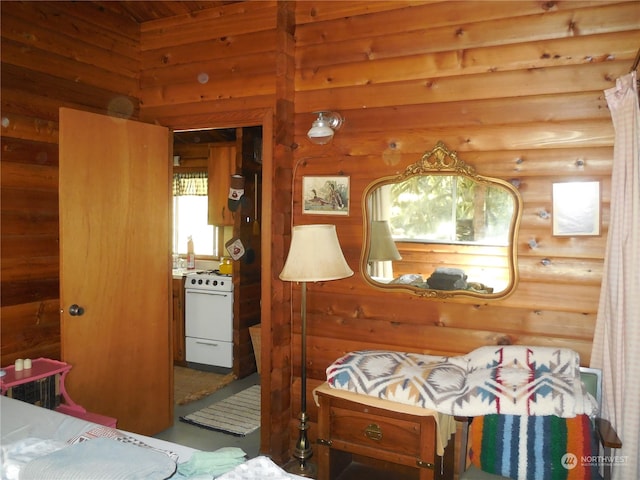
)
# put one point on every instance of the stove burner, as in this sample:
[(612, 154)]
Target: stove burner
[(212, 272)]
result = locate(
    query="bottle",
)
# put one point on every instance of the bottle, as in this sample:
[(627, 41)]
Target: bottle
[(191, 256)]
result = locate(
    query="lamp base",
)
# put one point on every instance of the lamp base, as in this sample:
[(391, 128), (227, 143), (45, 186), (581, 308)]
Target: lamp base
[(300, 464), (301, 468)]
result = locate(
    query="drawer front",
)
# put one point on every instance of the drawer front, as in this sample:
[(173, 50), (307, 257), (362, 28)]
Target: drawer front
[(209, 352), (362, 428)]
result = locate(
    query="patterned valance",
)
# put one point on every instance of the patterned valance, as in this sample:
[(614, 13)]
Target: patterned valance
[(194, 183)]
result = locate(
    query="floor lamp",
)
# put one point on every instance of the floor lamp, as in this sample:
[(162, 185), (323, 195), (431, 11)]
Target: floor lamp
[(382, 249), (314, 256)]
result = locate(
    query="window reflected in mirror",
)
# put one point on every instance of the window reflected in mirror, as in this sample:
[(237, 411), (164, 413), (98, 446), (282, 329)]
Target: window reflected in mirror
[(439, 229)]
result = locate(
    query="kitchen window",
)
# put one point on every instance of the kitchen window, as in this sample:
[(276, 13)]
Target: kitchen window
[(190, 207)]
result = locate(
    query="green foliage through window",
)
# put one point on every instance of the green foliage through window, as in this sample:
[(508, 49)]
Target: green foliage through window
[(450, 209)]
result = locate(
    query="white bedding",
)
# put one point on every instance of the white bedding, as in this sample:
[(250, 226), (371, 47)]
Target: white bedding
[(36, 440)]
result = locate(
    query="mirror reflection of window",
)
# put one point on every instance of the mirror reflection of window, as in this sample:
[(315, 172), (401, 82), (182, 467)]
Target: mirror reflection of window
[(450, 209), (455, 230)]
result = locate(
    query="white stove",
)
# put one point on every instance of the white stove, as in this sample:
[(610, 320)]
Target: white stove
[(209, 318)]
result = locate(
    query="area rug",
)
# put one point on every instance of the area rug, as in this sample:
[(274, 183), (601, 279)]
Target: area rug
[(238, 414), (190, 385)]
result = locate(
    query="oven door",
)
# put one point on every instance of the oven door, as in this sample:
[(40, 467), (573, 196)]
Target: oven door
[(209, 315)]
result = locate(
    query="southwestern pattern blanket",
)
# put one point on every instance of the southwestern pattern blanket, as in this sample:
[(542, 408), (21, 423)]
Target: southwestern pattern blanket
[(511, 380)]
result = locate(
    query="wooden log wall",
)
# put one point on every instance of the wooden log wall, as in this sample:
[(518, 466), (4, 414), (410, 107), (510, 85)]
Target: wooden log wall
[(54, 54), (219, 68), (516, 88)]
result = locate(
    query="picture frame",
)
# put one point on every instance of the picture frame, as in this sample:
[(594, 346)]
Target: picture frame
[(576, 209), (326, 195)]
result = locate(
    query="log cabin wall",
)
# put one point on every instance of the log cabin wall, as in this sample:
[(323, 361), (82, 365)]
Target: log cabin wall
[(516, 88), (54, 54), (89, 56), (223, 68)]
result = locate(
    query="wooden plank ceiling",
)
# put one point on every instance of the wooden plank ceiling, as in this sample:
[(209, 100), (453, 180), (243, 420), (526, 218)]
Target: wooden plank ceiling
[(153, 10)]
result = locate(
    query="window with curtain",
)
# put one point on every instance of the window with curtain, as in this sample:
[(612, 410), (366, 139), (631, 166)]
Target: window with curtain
[(190, 207)]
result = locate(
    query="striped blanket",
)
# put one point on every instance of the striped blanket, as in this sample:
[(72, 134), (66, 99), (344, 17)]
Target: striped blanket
[(534, 448), (512, 380)]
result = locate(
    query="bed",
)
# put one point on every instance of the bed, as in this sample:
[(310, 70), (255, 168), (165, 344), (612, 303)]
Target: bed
[(43, 444)]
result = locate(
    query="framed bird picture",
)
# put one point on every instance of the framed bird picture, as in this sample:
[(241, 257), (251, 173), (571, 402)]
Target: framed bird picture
[(325, 195)]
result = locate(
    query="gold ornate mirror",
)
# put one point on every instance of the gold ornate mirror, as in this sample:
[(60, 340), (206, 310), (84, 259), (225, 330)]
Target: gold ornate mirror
[(439, 230)]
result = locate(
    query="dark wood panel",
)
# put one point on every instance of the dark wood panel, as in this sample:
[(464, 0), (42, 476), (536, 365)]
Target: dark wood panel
[(29, 176), (47, 37), (22, 201), (15, 150), (24, 96), (79, 21), (22, 246), (30, 329), (53, 64)]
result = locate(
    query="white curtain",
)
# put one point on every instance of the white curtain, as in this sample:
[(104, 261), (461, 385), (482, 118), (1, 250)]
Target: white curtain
[(616, 345)]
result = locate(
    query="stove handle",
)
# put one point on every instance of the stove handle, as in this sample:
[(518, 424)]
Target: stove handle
[(207, 292)]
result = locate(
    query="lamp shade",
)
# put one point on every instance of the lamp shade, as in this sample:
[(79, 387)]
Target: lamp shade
[(383, 247), (315, 255), (320, 133), (323, 128)]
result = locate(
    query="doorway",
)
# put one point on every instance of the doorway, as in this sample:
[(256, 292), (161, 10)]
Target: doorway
[(192, 150)]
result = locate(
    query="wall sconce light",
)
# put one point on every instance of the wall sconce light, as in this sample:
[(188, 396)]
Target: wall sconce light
[(323, 128)]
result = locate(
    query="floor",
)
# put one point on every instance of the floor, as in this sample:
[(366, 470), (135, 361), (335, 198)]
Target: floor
[(208, 440)]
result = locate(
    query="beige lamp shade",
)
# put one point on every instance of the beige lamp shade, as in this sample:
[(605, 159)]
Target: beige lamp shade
[(383, 247), (315, 255)]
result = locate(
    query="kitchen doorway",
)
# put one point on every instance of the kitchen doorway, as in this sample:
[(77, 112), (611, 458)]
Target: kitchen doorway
[(201, 152)]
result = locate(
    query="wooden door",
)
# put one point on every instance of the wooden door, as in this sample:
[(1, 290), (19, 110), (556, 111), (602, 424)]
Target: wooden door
[(115, 264)]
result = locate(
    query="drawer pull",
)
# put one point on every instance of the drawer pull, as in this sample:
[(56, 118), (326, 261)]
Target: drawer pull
[(322, 441), (422, 464), (373, 432)]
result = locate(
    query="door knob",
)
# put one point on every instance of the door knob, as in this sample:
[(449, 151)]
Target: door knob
[(76, 310)]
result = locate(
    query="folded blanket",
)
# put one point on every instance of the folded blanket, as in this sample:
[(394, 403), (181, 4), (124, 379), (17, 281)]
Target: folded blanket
[(100, 459), (513, 380), (212, 463), (534, 448)]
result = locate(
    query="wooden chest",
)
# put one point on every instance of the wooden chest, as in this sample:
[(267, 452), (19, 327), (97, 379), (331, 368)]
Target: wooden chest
[(357, 440)]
